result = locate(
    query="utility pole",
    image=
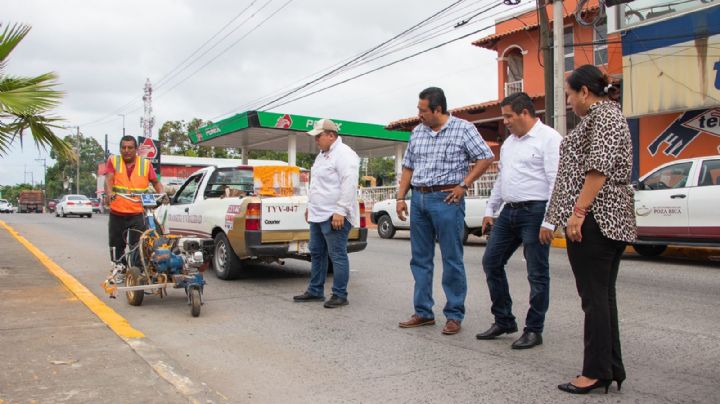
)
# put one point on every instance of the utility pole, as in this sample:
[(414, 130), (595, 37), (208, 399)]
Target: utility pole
[(559, 68), (32, 178), (107, 152), (546, 44), (77, 172), (123, 117), (44, 171)]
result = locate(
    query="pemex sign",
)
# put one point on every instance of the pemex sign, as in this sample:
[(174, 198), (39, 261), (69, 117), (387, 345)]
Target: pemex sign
[(150, 149)]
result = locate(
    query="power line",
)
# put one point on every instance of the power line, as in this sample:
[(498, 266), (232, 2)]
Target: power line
[(363, 54), (356, 62), (383, 66), (261, 23), (123, 108), (162, 79)]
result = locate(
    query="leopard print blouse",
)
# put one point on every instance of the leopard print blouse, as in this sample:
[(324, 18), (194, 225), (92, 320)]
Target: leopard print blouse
[(600, 142)]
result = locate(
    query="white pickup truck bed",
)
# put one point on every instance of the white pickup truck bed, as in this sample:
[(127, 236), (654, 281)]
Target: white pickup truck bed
[(385, 216)]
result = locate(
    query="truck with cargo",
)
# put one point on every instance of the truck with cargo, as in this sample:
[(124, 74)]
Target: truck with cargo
[(253, 214), (31, 201)]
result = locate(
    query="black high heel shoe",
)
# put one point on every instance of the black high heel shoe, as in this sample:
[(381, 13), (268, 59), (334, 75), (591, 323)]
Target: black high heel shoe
[(573, 389), (619, 382)]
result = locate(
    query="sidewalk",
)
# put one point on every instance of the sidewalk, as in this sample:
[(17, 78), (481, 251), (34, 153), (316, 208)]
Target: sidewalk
[(54, 349)]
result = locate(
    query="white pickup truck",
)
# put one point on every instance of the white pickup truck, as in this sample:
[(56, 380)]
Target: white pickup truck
[(385, 216), (238, 208), (677, 204)]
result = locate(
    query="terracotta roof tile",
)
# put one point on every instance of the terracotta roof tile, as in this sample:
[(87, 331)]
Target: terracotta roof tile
[(472, 108), (487, 42)]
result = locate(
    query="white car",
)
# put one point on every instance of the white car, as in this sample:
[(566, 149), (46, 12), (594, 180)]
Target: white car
[(388, 222), (5, 206), (74, 205), (677, 203)]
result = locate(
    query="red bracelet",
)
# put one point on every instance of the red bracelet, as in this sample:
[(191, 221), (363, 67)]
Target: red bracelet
[(579, 212)]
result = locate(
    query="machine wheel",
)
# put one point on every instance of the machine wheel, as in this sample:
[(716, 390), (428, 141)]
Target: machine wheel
[(649, 250), (89, 215), (385, 227), (227, 265), (195, 302), (57, 213), (62, 213), (134, 277)]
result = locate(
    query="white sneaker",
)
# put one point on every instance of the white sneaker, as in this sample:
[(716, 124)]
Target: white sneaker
[(117, 275)]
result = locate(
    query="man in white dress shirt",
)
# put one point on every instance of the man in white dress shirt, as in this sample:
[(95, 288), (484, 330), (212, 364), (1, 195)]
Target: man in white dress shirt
[(528, 166), (332, 211)]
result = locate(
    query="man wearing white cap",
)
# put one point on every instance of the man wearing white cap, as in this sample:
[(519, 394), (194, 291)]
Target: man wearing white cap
[(332, 211)]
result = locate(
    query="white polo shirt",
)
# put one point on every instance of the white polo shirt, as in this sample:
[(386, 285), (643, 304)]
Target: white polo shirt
[(527, 169), (333, 184)]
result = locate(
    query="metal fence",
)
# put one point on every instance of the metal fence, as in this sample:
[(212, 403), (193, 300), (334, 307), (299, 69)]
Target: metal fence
[(481, 188)]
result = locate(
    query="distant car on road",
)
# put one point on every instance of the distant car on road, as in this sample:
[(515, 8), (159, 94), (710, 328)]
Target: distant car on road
[(74, 205), (96, 205), (51, 205), (5, 206)]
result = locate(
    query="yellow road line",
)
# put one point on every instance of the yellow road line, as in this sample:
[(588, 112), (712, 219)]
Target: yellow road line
[(108, 316)]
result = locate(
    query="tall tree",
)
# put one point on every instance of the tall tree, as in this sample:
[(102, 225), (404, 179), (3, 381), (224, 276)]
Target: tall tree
[(65, 169), (26, 101)]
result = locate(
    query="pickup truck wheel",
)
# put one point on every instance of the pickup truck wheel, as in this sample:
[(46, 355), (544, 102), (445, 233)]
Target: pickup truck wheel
[(385, 227), (649, 250), (227, 265), (466, 234)]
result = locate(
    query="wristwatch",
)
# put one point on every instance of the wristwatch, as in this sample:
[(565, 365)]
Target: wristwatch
[(463, 185)]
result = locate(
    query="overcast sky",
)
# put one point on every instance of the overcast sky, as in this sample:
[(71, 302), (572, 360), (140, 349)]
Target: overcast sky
[(103, 51)]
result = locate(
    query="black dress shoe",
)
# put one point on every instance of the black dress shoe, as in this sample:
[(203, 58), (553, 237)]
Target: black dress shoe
[(495, 331), (528, 340), (573, 389), (335, 301), (307, 297)]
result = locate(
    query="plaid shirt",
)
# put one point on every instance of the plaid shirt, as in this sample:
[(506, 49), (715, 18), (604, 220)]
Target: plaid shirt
[(443, 158)]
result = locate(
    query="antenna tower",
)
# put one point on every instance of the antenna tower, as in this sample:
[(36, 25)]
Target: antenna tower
[(148, 120)]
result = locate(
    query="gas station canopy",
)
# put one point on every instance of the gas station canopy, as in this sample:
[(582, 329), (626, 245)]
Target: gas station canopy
[(260, 130)]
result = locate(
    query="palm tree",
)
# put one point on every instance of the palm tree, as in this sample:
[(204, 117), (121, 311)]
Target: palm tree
[(25, 101)]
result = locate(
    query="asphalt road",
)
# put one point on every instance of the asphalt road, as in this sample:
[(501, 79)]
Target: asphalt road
[(253, 344)]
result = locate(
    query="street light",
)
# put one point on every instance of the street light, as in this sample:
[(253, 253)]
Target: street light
[(123, 117)]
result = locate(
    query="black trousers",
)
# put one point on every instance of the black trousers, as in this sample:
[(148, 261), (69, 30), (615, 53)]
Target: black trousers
[(595, 262), (118, 227)]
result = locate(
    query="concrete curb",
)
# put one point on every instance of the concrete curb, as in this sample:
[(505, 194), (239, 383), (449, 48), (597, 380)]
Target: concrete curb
[(158, 360), (672, 251)]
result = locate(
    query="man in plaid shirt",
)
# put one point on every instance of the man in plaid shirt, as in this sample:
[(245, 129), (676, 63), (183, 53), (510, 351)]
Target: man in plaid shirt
[(436, 166)]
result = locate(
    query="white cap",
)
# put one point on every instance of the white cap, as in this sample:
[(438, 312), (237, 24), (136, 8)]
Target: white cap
[(322, 125)]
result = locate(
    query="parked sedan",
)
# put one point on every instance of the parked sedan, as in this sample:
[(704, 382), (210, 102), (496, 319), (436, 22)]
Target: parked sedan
[(74, 205), (51, 205), (96, 205)]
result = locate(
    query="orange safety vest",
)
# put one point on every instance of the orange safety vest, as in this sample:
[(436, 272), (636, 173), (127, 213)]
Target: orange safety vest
[(137, 182)]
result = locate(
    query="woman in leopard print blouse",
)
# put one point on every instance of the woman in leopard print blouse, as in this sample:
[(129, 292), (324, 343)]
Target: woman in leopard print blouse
[(593, 200)]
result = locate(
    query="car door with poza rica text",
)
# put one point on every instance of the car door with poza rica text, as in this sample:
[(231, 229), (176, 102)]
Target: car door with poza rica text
[(661, 201)]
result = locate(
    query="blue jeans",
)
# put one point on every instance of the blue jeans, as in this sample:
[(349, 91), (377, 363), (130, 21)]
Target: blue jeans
[(432, 218), (326, 242), (513, 227)]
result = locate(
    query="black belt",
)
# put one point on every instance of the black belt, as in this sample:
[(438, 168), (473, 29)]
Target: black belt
[(524, 204), (434, 188)]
